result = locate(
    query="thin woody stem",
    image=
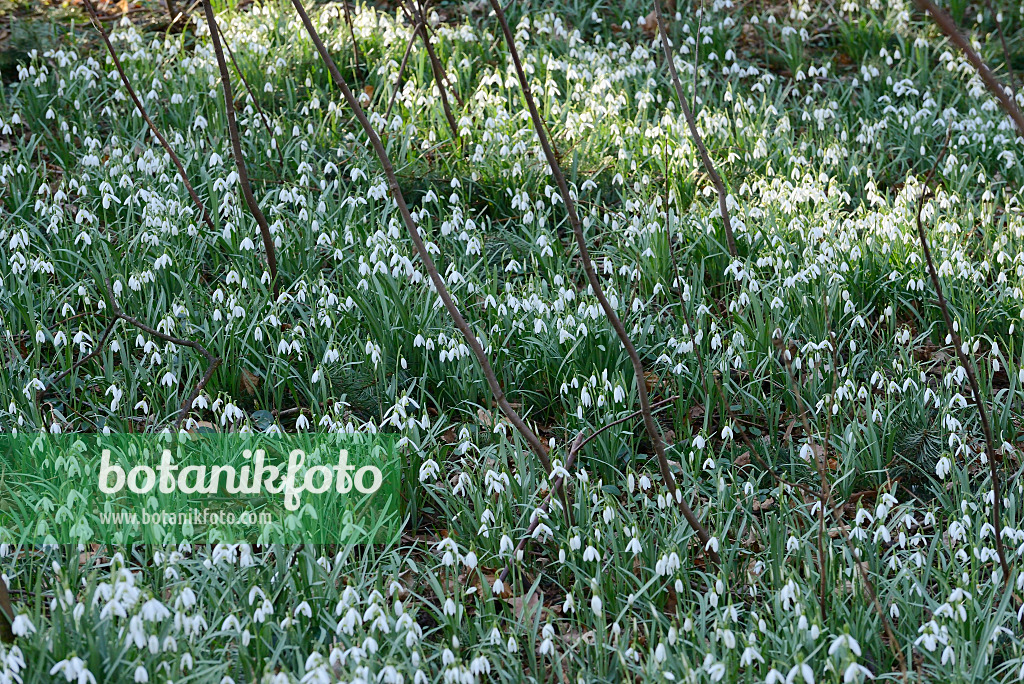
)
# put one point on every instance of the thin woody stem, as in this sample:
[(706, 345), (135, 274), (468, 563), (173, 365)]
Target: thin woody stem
[(948, 27), (252, 95), (81, 361), (1007, 60), (826, 498), (213, 361), (421, 249), (972, 378), (6, 614), (351, 32), (416, 16), (149, 122), (236, 148), (401, 72), (691, 123), (653, 431)]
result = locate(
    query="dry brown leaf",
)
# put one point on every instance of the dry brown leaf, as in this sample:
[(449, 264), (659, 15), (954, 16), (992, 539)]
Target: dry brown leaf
[(788, 435), (670, 604), (573, 637), (763, 506), (490, 576), (484, 418), (650, 380), (248, 382), (525, 606), (650, 25), (202, 424)]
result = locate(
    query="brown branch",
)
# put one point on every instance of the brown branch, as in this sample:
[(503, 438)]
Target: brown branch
[(948, 27), (428, 31), (6, 614), (826, 497), (351, 32), (416, 17), (149, 122), (236, 149), (252, 95), (576, 447), (421, 249), (556, 487), (401, 71), (213, 361), (972, 378), (645, 403), (80, 362), (691, 123), (1006, 48), (702, 369)]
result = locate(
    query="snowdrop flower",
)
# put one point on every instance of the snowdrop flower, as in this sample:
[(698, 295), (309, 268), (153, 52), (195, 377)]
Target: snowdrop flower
[(856, 673), (22, 626)]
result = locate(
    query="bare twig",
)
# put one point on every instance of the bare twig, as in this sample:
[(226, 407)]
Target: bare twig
[(81, 361), (703, 373), (444, 74), (826, 498), (645, 403), (416, 17), (972, 378), (401, 71), (213, 361), (1006, 48), (351, 32), (252, 95), (556, 488), (6, 614), (948, 26), (236, 148), (574, 449), (149, 122), (421, 249), (691, 123)]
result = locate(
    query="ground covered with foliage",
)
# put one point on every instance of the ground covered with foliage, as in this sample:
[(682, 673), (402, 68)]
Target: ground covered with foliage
[(820, 346)]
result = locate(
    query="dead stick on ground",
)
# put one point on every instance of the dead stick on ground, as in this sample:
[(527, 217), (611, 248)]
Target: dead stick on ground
[(948, 26), (723, 205), (236, 149), (421, 249), (149, 122), (577, 228)]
